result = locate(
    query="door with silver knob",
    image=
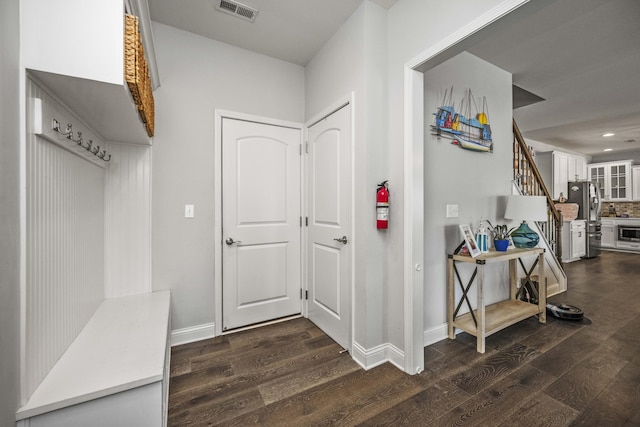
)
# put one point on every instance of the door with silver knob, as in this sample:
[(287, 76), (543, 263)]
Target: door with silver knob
[(329, 209), (261, 208)]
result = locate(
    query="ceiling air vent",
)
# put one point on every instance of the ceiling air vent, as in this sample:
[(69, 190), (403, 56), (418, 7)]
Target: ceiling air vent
[(237, 9)]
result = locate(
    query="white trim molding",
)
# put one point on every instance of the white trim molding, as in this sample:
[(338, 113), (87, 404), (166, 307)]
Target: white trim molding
[(413, 222), (370, 358), (435, 334), (192, 334)]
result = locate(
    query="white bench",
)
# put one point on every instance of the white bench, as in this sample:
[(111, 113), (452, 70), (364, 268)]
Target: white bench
[(115, 373)]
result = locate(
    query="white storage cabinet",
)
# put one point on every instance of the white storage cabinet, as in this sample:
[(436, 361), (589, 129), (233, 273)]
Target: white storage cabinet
[(635, 186), (608, 234), (574, 242)]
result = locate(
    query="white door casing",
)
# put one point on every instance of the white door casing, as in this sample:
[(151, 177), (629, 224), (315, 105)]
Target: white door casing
[(261, 230), (329, 228)]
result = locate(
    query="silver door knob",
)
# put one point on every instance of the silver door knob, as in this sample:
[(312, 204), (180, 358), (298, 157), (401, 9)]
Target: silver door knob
[(230, 241), (343, 239)]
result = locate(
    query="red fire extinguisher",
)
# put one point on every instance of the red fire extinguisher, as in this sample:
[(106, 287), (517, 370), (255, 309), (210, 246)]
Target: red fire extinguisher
[(382, 206)]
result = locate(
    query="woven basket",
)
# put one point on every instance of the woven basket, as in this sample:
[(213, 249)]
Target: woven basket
[(136, 73), (569, 210)]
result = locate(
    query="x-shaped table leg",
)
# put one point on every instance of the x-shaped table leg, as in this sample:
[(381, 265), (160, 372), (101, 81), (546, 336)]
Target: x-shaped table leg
[(528, 283), (465, 290)]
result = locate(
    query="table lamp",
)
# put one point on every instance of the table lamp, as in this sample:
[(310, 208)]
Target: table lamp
[(526, 208)]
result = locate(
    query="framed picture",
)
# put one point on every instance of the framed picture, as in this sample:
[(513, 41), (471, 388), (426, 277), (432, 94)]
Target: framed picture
[(469, 240)]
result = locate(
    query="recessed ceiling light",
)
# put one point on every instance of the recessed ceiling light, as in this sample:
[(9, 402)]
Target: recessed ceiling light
[(608, 134), (608, 149)]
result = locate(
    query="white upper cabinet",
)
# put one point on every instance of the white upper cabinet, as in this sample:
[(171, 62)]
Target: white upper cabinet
[(576, 168), (560, 174), (613, 179), (78, 38), (558, 169), (75, 49)]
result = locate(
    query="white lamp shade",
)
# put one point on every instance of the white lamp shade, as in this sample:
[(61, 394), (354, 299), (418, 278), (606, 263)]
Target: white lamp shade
[(526, 208)]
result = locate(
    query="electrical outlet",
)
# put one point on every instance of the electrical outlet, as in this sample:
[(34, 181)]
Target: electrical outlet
[(188, 211), (452, 211)]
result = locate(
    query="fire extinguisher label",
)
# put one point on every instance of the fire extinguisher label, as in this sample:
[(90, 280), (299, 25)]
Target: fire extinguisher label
[(382, 213)]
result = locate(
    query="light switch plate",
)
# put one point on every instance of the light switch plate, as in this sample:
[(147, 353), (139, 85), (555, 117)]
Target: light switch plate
[(452, 211), (188, 211)]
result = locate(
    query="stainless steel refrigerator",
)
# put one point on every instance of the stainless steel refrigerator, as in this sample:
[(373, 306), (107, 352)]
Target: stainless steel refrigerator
[(587, 196)]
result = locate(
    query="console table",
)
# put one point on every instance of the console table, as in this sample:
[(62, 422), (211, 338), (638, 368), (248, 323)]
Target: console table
[(486, 320)]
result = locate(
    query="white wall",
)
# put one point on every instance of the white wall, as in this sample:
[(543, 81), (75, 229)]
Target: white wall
[(198, 76), (10, 119), (347, 63), (372, 164), (79, 38), (415, 27), (354, 61), (476, 182)]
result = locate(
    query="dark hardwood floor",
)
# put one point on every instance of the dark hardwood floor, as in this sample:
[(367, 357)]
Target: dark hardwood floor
[(560, 373)]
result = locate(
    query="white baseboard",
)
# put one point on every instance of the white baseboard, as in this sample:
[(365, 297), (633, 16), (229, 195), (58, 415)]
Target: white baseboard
[(395, 356), (193, 333), (435, 334), (370, 358)]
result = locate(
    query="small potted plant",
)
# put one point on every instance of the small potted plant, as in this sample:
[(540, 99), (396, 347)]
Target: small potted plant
[(500, 236)]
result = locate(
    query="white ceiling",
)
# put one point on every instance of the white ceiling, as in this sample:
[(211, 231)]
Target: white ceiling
[(581, 56), (291, 30)]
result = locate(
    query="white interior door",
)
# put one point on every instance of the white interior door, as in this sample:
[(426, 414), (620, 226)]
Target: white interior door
[(261, 229), (329, 231)]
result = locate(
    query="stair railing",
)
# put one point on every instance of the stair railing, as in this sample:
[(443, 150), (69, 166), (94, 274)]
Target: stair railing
[(529, 180)]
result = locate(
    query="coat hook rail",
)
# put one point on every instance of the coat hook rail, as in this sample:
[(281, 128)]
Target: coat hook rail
[(68, 133)]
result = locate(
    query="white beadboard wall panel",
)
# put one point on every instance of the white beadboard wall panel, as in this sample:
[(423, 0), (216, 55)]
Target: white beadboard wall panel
[(65, 246), (128, 220)]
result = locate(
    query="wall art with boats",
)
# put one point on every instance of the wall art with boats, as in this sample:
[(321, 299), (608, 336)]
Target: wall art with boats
[(465, 124)]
